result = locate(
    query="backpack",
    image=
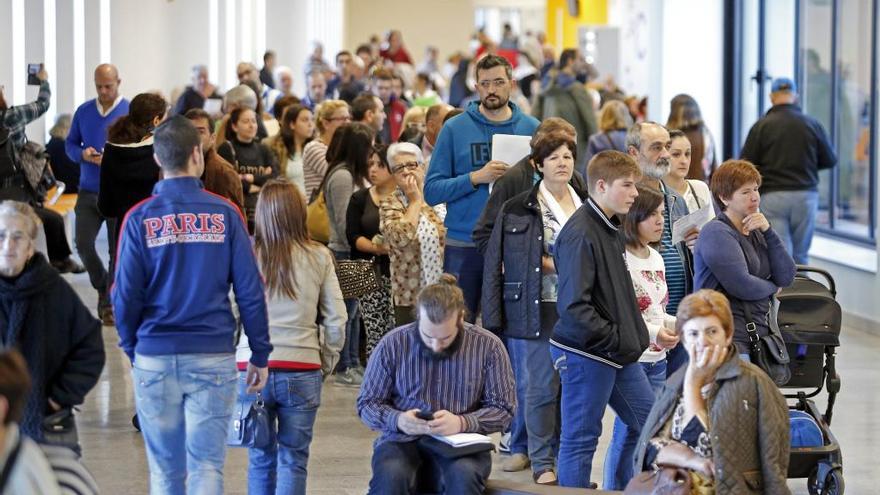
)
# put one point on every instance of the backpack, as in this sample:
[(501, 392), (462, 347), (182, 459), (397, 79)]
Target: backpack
[(12, 182), (317, 216)]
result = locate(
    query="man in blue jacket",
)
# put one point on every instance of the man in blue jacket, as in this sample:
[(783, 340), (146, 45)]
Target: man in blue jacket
[(85, 145), (462, 169), (179, 250)]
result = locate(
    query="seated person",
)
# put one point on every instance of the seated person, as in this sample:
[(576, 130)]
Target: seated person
[(442, 365), (719, 417), (23, 466), (46, 321)]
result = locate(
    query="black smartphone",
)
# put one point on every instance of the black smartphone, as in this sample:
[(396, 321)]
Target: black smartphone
[(33, 70), (426, 415)]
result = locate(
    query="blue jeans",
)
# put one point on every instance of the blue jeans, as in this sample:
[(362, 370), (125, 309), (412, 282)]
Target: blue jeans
[(656, 373), (184, 403), (466, 263), (291, 398), (349, 356), (792, 214), (404, 467), (676, 358), (588, 386), (537, 390)]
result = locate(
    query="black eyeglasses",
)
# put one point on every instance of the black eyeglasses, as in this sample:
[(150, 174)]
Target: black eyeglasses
[(406, 166)]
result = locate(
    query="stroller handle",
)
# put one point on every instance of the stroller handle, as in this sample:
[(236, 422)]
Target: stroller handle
[(829, 280)]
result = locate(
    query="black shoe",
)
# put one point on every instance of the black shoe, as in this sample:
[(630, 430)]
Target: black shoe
[(67, 265)]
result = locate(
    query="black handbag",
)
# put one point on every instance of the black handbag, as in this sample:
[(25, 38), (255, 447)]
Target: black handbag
[(250, 425), (768, 352), (60, 429), (357, 278)]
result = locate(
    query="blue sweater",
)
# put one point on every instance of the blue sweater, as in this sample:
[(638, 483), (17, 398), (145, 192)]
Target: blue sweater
[(464, 146), (748, 269), (179, 251), (89, 128)]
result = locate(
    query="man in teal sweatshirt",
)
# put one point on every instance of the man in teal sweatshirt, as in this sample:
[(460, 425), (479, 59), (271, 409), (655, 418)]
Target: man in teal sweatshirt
[(461, 169)]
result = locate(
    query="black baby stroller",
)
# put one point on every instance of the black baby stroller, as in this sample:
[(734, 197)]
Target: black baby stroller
[(809, 318)]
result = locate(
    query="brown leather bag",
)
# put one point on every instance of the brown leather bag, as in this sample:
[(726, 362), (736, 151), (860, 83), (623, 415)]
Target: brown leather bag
[(664, 481)]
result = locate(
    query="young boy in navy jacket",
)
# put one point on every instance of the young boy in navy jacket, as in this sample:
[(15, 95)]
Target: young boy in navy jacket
[(600, 335), (179, 251)]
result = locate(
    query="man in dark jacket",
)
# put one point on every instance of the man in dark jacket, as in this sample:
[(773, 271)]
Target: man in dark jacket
[(789, 148), (519, 179), (179, 252), (45, 319), (600, 335), (219, 175), (566, 97)]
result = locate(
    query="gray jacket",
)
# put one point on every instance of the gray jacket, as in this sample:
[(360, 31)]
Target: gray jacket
[(749, 429)]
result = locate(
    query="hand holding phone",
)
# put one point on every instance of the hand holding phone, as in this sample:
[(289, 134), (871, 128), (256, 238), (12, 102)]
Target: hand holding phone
[(34, 73), (425, 415)]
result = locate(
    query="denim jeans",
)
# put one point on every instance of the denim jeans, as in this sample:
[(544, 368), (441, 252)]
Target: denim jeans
[(291, 398), (88, 224), (404, 467), (537, 390), (656, 373), (792, 214), (588, 386), (676, 358), (349, 356), (183, 403), (466, 263)]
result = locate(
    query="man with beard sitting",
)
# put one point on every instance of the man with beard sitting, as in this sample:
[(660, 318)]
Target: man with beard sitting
[(436, 376)]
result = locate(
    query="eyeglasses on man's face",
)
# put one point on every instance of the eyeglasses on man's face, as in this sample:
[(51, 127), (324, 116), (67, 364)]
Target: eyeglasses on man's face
[(493, 84)]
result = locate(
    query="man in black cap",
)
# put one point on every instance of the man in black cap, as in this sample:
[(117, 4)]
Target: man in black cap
[(789, 148)]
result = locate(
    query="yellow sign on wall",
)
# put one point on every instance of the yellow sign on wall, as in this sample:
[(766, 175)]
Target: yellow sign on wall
[(562, 28)]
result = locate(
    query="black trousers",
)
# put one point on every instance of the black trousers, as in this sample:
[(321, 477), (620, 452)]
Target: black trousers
[(56, 238)]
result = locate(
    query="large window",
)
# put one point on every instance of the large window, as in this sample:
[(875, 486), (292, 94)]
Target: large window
[(837, 68)]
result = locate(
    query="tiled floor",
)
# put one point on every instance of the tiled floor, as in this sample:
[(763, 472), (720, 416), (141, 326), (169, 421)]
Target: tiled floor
[(340, 454)]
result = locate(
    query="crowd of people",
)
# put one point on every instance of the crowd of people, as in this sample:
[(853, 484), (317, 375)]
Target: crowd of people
[(522, 298)]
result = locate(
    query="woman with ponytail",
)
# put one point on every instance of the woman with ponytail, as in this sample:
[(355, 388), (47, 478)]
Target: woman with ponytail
[(128, 171)]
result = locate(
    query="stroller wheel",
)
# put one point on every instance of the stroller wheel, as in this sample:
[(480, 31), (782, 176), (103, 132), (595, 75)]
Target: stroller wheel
[(136, 422), (833, 485)]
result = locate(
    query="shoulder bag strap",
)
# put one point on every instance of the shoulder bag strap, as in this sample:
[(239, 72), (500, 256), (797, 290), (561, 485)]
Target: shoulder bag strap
[(10, 463), (751, 328), (694, 194)]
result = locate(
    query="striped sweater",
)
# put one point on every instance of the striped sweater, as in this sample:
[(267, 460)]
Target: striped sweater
[(314, 165), (475, 382)]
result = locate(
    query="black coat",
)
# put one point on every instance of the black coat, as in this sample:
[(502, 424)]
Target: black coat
[(43, 317), (128, 174), (511, 297), (519, 179), (598, 312)]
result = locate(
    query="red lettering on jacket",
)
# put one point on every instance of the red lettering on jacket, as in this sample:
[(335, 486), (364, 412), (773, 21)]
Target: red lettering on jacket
[(218, 223), (152, 225), (204, 223)]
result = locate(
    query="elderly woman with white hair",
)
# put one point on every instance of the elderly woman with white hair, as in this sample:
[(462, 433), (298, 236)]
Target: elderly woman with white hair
[(43, 317), (413, 231)]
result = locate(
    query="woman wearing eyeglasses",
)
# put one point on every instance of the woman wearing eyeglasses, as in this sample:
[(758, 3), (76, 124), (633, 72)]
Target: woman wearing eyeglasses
[(412, 230)]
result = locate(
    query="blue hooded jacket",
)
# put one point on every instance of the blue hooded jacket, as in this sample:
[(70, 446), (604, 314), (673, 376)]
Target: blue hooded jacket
[(179, 252), (464, 146)]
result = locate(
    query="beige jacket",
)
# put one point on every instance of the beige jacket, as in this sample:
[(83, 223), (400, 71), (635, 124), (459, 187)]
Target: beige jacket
[(293, 331)]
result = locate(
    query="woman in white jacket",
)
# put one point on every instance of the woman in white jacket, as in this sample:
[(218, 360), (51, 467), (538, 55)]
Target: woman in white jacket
[(301, 292)]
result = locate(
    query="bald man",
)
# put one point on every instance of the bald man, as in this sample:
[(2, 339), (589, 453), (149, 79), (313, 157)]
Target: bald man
[(85, 146)]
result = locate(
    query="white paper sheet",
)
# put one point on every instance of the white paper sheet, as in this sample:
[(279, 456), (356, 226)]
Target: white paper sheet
[(510, 148), (695, 220), (463, 439)]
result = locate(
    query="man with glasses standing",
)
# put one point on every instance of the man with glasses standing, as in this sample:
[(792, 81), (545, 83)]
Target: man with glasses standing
[(462, 169)]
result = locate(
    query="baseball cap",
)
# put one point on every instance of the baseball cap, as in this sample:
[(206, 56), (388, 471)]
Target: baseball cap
[(783, 84)]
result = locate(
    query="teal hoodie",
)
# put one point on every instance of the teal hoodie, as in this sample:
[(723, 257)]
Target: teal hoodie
[(464, 146)]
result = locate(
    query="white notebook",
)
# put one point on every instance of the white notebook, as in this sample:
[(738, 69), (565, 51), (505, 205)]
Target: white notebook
[(463, 439)]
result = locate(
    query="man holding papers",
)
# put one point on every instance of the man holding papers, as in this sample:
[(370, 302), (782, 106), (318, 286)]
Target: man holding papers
[(462, 167), (437, 377)]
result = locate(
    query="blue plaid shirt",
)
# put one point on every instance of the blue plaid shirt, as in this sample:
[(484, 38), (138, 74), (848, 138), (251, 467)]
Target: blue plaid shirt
[(16, 118)]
